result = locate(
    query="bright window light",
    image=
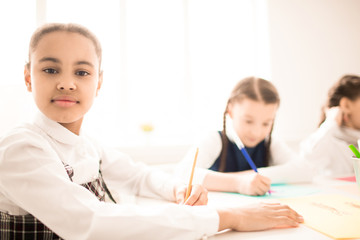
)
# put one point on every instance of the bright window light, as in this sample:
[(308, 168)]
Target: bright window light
[(168, 65)]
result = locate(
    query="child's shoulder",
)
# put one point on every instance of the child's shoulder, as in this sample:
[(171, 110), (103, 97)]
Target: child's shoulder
[(320, 138), (208, 138), (24, 132)]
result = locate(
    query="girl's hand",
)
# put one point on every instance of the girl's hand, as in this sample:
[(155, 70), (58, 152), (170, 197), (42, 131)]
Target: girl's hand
[(260, 216), (198, 195), (336, 114), (252, 183)]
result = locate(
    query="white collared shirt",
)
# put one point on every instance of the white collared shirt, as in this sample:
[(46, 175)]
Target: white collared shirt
[(327, 149), (33, 180)]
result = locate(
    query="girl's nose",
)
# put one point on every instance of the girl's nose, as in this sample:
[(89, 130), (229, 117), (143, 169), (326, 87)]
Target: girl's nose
[(256, 132), (66, 85)]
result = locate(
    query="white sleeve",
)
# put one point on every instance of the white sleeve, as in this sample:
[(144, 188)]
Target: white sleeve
[(33, 178), (280, 153), (327, 150), (286, 165), (209, 150), (124, 175)]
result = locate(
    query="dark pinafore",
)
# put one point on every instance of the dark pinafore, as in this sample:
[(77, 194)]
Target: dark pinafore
[(27, 227), (235, 160)]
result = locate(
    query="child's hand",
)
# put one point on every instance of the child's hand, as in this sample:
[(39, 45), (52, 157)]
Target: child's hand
[(198, 195), (252, 183), (259, 216), (336, 114)]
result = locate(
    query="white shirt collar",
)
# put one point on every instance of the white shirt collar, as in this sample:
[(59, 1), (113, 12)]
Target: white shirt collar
[(230, 131), (56, 130)]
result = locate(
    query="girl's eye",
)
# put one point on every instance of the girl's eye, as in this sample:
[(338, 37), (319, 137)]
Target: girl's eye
[(82, 73), (50, 71), (267, 124)]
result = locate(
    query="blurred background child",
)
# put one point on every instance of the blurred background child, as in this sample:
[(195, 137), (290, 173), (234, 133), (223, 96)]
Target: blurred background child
[(249, 115), (327, 149)]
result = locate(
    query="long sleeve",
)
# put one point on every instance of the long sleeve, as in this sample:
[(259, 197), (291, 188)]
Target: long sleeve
[(125, 176), (327, 149), (286, 165), (209, 150), (33, 180)]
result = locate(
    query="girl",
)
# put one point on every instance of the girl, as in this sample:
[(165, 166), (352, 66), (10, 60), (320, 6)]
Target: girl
[(249, 115), (52, 176), (327, 149)]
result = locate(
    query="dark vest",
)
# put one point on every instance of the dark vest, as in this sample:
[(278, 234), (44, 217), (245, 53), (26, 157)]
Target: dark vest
[(27, 227), (235, 160)]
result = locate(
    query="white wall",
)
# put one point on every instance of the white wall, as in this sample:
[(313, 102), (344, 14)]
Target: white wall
[(312, 44)]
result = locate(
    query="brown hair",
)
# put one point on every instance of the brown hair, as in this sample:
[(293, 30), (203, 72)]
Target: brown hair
[(347, 86), (256, 89), (57, 27)]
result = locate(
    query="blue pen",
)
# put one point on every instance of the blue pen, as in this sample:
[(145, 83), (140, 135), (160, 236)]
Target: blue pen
[(242, 148)]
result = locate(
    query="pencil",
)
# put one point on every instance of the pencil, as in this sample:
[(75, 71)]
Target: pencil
[(247, 157), (188, 191)]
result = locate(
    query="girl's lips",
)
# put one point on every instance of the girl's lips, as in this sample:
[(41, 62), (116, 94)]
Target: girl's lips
[(64, 101)]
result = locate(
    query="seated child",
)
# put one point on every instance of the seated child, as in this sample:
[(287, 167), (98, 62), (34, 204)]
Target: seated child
[(327, 149), (249, 116)]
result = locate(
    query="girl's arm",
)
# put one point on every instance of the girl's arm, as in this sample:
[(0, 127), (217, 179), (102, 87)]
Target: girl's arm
[(246, 182), (33, 180), (260, 216), (209, 149), (125, 177), (287, 165)]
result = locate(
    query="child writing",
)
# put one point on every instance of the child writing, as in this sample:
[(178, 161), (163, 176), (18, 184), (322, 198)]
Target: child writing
[(249, 115), (52, 176), (327, 149)]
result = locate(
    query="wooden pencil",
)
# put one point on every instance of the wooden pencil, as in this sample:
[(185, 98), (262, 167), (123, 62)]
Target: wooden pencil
[(188, 191)]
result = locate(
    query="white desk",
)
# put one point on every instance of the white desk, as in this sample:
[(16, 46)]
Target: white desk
[(323, 186)]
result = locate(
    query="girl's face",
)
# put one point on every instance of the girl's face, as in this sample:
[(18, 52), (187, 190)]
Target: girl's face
[(64, 77), (252, 120), (352, 109)]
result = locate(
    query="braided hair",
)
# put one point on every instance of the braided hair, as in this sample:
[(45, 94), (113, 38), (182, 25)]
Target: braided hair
[(256, 89)]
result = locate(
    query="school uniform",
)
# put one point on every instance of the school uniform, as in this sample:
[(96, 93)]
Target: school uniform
[(54, 182), (327, 149), (284, 164)]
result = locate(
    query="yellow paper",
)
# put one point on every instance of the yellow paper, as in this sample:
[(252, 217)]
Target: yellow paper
[(333, 215)]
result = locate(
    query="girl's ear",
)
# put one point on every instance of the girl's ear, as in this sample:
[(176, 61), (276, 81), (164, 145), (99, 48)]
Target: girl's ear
[(230, 110), (345, 104), (99, 83), (27, 77)]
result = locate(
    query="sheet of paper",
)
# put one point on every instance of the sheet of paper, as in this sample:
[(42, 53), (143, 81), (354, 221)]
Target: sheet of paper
[(334, 215), (349, 188)]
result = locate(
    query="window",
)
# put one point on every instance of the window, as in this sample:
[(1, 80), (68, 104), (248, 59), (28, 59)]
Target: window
[(17, 24), (167, 64)]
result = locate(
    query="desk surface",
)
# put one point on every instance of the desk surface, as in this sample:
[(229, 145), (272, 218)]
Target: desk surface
[(322, 186)]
